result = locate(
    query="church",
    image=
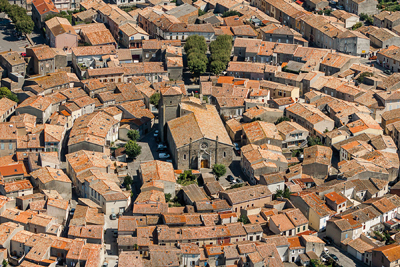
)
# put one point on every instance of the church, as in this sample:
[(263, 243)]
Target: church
[(197, 138)]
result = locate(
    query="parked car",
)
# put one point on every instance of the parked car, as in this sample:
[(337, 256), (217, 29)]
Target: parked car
[(156, 133), (23, 54), (237, 148), (326, 250), (324, 257), (239, 181), (115, 233), (164, 155), (388, 72), (334, 257), (161, 147), (72, 211), (328, 240), (231, 179), (113, 216)]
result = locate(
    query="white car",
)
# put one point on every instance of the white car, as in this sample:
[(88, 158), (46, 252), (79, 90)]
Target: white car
[(326, 250), (163, 155)]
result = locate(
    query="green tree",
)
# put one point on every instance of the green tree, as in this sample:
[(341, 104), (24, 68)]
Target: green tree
[(201, 12), (155, 98), (25, 26), (363, 16), (135, 246), (283, 193), (281, 119), (217, 67), (357, 25), (312, 141), (168, 197), (196, 41), (197, 66), (230, 13), (5, 92), (256, 119), (195, 55), (186, 178), (219, 170), (370, 19), (133, 149), (4, 263), (243, 219), (128, 181), (133, 135), (220, 55)]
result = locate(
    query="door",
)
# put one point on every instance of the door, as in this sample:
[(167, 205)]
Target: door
[(204, 163)]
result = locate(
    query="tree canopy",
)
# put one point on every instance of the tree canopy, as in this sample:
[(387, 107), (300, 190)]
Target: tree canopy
[(133, 149), (23, 22), (217, 67), (230, 13), (5, 92), (220, 53), (133, 135), (155, 98), (196, 49), (219, 170), (281, 119)]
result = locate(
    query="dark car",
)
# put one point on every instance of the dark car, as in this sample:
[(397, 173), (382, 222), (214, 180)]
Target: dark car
[(334, 257), (328, 240), (388, 72), (230, 178)]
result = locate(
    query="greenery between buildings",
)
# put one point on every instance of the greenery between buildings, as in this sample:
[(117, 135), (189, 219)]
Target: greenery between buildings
[(360, 78), (186, 178), (281, 119), (283, 193), (297, 152), (236, 186), (5, 92), (220, 50), (196, 49), (368, 20), (175, 202), (168, 197), (127, 182), (230, 13), (66, 15), (312, 141), (133, 135), (244, 219), (219, 170), (201, 12), (133, 149), (128, 8), (357, 25), (155, 99), (23, 22), (256, 119)]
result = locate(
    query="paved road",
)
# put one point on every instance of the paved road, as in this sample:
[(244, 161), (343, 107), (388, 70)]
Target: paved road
[(8, 41), (345, 259)]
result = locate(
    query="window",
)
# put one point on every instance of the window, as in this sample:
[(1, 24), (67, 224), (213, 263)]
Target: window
[(184, 156), (10, 146), (2, 146), (224, 154)]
